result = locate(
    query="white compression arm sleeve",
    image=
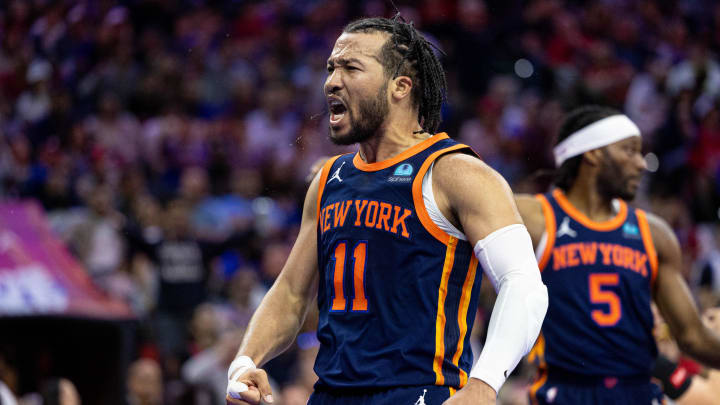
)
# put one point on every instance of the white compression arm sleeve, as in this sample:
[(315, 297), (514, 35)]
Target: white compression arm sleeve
[(507, 257)]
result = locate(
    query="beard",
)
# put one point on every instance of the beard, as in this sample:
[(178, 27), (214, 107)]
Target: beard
[(612, 182), (371, 115)]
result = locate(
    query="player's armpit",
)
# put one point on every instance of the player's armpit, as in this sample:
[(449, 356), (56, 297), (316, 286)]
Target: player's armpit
[(674, 300), (473, 195)]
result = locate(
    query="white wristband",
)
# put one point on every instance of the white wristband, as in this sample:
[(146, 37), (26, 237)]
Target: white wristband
[(238, 367)]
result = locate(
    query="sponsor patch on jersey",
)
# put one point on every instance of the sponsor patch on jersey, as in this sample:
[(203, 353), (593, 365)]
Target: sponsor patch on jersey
[(404, 169), (402, 174), (631, 231)]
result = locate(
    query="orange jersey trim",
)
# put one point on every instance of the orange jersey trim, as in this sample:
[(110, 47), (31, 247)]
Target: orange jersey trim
[(325, 172), (440, 319), (384, 164), (539, 382), (537, 355), (604, 226), (420, 209), (648, 242), (550, 227), (462, 316)]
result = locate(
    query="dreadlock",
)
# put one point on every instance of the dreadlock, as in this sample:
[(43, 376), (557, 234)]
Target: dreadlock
[(575, 120), (408, 53)]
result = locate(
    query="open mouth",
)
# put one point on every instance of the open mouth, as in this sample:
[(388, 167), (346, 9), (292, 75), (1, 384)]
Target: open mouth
[(337, 110)]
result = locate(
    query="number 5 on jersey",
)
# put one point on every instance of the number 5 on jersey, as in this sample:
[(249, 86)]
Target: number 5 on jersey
[(599, 296), (357, 264)]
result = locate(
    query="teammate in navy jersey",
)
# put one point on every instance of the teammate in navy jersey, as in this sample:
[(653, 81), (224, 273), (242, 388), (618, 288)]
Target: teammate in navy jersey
[(391, 241), (603, 262)]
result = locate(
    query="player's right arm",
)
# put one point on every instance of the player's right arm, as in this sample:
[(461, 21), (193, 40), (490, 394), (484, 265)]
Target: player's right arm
[(675, 302), (282, 312), (481, 203)]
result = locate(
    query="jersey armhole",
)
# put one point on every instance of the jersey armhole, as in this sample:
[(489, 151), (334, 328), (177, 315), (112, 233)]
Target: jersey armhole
[(545, 249), (325, 172), (649, 244), (433, 211), (417, 195)]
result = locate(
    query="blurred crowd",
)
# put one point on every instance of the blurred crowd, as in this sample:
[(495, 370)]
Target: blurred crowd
[(170, 141)]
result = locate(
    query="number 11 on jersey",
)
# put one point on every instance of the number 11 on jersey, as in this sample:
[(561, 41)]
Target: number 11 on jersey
[(359, 302)]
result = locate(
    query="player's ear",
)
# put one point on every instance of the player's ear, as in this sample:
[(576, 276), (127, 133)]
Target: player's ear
[(593, 157), (400, 87)]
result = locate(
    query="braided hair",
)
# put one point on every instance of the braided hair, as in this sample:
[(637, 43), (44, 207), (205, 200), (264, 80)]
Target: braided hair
[(408, 53), (575, 120)]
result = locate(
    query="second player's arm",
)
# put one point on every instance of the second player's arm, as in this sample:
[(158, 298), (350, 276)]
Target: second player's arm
[(675, 302), (481, 203), (532, 215)]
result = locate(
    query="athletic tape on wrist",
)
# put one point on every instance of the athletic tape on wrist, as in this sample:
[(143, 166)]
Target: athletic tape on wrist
[(239, 366)]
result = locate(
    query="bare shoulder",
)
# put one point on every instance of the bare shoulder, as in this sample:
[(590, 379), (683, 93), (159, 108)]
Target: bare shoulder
[(460, 169), (311, 198), (477, 195), (532, 214), (528, 204), (663, 235)]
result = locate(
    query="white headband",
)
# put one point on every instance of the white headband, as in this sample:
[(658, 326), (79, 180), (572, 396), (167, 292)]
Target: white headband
[(596, 135)]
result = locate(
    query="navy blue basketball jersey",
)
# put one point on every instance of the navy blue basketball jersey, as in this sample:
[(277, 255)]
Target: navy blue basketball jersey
[(397, 295), (599, 277)]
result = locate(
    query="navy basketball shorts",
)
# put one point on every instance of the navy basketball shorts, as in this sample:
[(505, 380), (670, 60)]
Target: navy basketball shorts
[(427, 395), (595, 391)]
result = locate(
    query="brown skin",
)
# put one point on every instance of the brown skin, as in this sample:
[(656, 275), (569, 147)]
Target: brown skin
[(711, 319), (701, 391), (68, 393), (671, 293), (144, 382), (479, 203)]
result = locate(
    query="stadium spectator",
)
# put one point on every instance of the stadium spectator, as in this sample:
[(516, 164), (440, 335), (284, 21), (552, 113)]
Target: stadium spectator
[(59, 391), (145, 383), (214, 349), (97, 240)]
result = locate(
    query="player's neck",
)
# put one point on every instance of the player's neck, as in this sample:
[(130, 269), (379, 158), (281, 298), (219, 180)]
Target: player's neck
[(584, 197), (391, 141)]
